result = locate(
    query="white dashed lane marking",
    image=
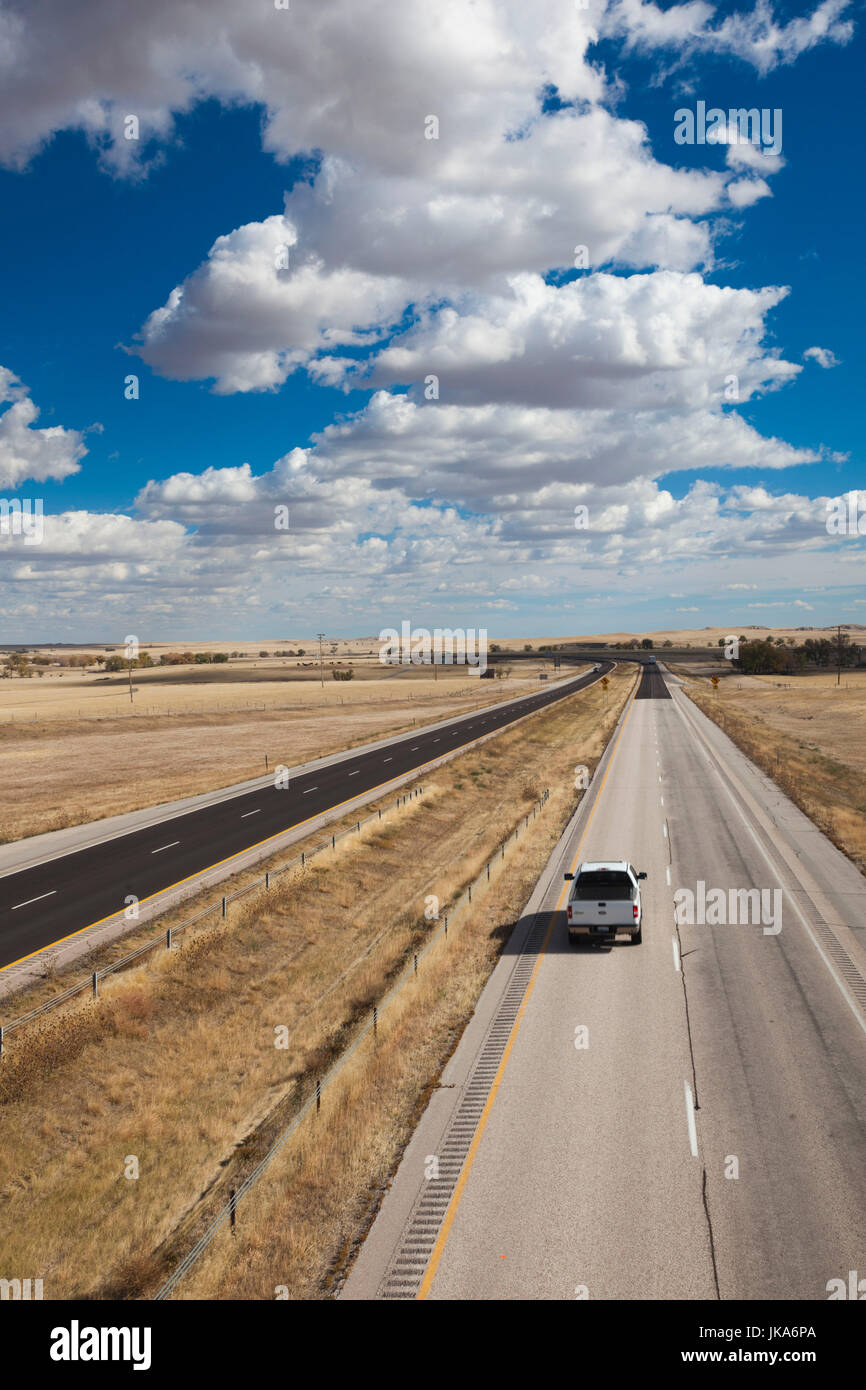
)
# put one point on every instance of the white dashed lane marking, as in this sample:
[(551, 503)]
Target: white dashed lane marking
[(34, 900)]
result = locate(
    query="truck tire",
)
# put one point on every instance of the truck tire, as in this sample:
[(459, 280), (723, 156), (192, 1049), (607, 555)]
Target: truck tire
[(637, 937)]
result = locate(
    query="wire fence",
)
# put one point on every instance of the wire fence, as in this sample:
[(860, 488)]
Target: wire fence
[(170, 934), (227, 1213)]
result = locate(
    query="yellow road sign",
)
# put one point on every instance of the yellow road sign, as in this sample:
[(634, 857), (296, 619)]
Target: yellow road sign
[(604, 682)]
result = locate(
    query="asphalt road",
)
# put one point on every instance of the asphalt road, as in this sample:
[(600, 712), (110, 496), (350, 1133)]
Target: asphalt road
[(48, 902), (704, 1137)]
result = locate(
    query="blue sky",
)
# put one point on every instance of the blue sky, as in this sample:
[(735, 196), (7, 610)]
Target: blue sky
[(409, 257)]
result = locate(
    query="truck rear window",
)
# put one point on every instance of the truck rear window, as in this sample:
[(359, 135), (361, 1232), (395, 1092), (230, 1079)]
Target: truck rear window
[(610, 884)]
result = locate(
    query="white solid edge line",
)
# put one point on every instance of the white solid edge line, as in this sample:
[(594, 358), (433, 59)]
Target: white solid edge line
[(310, 789), (162, 847), (34, 900), (668, 875), (676, 947), (690, 1118), (774, 870), (251, 813), (355, 773)]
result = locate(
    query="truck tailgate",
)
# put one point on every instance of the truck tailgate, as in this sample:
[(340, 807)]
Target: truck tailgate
[(603, 913)]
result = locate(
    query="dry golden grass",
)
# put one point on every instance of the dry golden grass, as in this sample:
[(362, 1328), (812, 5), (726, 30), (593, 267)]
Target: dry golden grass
[(808, 735), (61, 772), (177, 1065)]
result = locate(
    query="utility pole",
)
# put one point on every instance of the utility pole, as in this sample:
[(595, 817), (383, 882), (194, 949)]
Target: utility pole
[(321, 659), (839, 654)]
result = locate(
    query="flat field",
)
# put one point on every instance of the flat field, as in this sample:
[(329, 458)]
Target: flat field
[(73, 749), (810, 736)]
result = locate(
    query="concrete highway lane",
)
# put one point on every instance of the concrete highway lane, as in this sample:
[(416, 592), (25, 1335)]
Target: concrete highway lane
[(681, 1119), (45, 903)]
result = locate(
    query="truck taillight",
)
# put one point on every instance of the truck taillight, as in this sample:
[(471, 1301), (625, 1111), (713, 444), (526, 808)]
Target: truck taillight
[(634, 910), (569, 912)]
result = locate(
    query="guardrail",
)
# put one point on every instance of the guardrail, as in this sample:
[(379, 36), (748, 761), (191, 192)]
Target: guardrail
[(168, 936), (314, 1100)]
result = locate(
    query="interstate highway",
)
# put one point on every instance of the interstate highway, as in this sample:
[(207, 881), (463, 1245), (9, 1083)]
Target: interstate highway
[(48, 902), (706, 1139)]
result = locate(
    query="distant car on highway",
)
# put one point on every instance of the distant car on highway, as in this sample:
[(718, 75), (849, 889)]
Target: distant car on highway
[(604, 900), (651, 660)]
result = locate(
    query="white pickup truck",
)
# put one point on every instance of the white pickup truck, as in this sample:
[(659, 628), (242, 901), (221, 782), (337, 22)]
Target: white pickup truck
[(604, 900)]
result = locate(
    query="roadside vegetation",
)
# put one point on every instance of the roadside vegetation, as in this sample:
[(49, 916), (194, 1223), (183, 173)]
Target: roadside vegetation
[(809, 735), (174, 1072), (57, 772)]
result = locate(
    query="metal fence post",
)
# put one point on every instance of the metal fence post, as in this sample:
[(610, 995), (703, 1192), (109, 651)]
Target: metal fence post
[(318, 1095), (267, 879), (333, 842), (95, 978), (375, 1021), (224, 907), (416, 962), (168, 938), (1, 1039), (232, 1205), (303, 860)]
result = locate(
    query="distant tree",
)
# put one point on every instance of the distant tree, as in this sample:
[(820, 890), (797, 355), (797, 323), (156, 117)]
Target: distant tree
[(220, 656), (527, 647), (669, 643), (264, 653), (300, 652), (203, 658), (720, 643), (20, 665), (647, 644), (761, 658)]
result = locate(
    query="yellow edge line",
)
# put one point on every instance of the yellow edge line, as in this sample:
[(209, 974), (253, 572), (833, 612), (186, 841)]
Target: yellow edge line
[(439, 1247), (199, 873)]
